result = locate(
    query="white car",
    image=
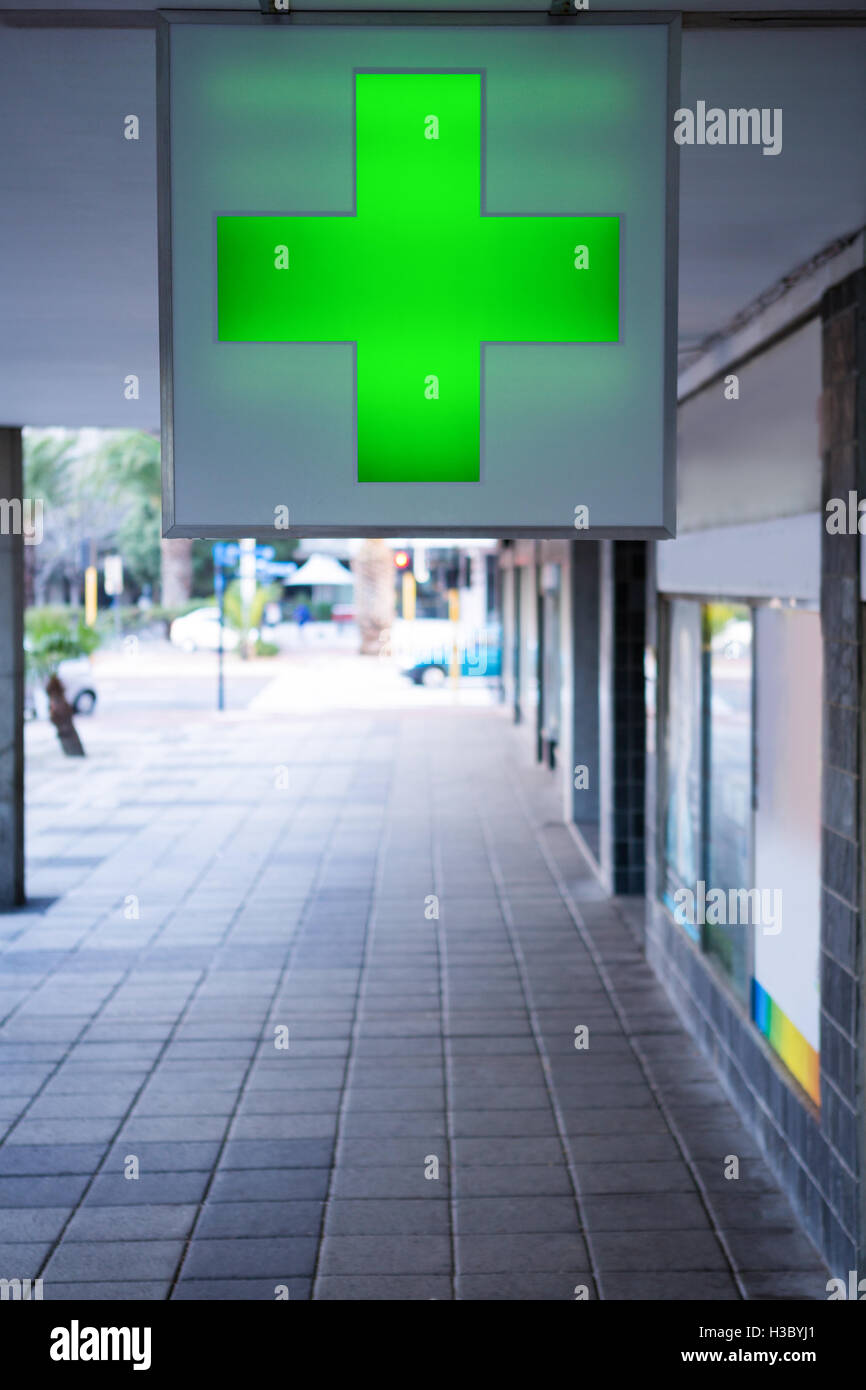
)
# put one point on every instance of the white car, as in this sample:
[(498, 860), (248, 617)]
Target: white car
[(734, 640), (199, 631), (77, 677)]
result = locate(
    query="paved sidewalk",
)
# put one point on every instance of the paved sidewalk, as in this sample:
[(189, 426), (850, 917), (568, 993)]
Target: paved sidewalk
[(430, 1131)]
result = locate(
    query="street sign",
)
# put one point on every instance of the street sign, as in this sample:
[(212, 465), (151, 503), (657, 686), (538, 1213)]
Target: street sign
[(113, 575), (417, 277), (227, 554)]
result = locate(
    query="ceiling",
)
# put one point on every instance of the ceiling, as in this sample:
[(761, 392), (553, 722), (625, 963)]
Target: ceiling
[(78, 244)]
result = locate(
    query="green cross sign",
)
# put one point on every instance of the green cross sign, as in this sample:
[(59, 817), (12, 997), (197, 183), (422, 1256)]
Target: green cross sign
[(418, 276)]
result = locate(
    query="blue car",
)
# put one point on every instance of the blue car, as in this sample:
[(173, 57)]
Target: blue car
[(480, 656)]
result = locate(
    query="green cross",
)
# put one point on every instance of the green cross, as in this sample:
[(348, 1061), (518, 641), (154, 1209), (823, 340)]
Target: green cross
[(418, 277)]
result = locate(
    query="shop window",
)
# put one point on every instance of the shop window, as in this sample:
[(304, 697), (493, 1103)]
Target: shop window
[(707, 779)]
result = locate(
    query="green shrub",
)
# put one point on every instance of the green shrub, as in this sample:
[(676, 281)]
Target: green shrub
[(52, 635)]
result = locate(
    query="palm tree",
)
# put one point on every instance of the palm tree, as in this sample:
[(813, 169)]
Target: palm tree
[(246, 620), (373, 567)]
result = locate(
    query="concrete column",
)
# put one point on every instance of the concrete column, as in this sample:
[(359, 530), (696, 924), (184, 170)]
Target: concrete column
[(584, 597), (11, 673), (622, 714), (629, 715)]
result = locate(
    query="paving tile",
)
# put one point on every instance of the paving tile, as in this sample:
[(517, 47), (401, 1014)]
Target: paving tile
[(400, 1098), (167, 1157), (365, 1153), (403, 1253), (277, 1153), (144, 1222), (392, 1181), (382, 1124), (529, 1253), (515, 1124), (501, 1149), (635, 1177), (524, 1288), (660, 1285), (622, 1148), (41, 1160), (120, 1291), (323, 1126), (143, 1129), (150, 1189), (372, 1217), (648, 1211), (278, 1185), (668, 1250), (513, 1180), (521, 1046), (63, 1133), (786, 1251), (41, 1192), (241, 1290), (254, 1257), (786, 1284), (289, 1218), (154, 1104), (580, 1123), (33, 1223), (47, 1107), (500, 1098), (22, 1260), (393, 1288), (753, 1211), (82, 1261), (516, 1215)]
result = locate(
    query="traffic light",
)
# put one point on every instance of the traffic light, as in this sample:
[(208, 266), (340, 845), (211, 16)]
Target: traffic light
[(402, 559)]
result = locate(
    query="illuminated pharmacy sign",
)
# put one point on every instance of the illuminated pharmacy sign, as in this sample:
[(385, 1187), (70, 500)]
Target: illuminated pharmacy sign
[(416, 280)]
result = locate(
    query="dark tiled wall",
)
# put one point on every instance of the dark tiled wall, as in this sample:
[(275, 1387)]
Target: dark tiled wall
[(794, 1139), (629, 715), (843, 421), (818, 1157)]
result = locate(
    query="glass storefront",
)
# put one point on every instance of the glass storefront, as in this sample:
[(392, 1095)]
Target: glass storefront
[(707, 772)]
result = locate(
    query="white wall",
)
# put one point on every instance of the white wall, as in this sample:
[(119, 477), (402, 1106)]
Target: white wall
[(757, 457), (788, 816), (764, 559)]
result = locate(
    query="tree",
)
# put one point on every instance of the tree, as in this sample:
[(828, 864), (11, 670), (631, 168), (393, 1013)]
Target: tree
[(101, 490), (245, 622), (131, 465), (373, 567), (51, 638)]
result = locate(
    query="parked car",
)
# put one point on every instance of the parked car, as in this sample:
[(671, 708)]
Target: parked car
[(77, 677), (734, 639), (200, 631), (426, 648)]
